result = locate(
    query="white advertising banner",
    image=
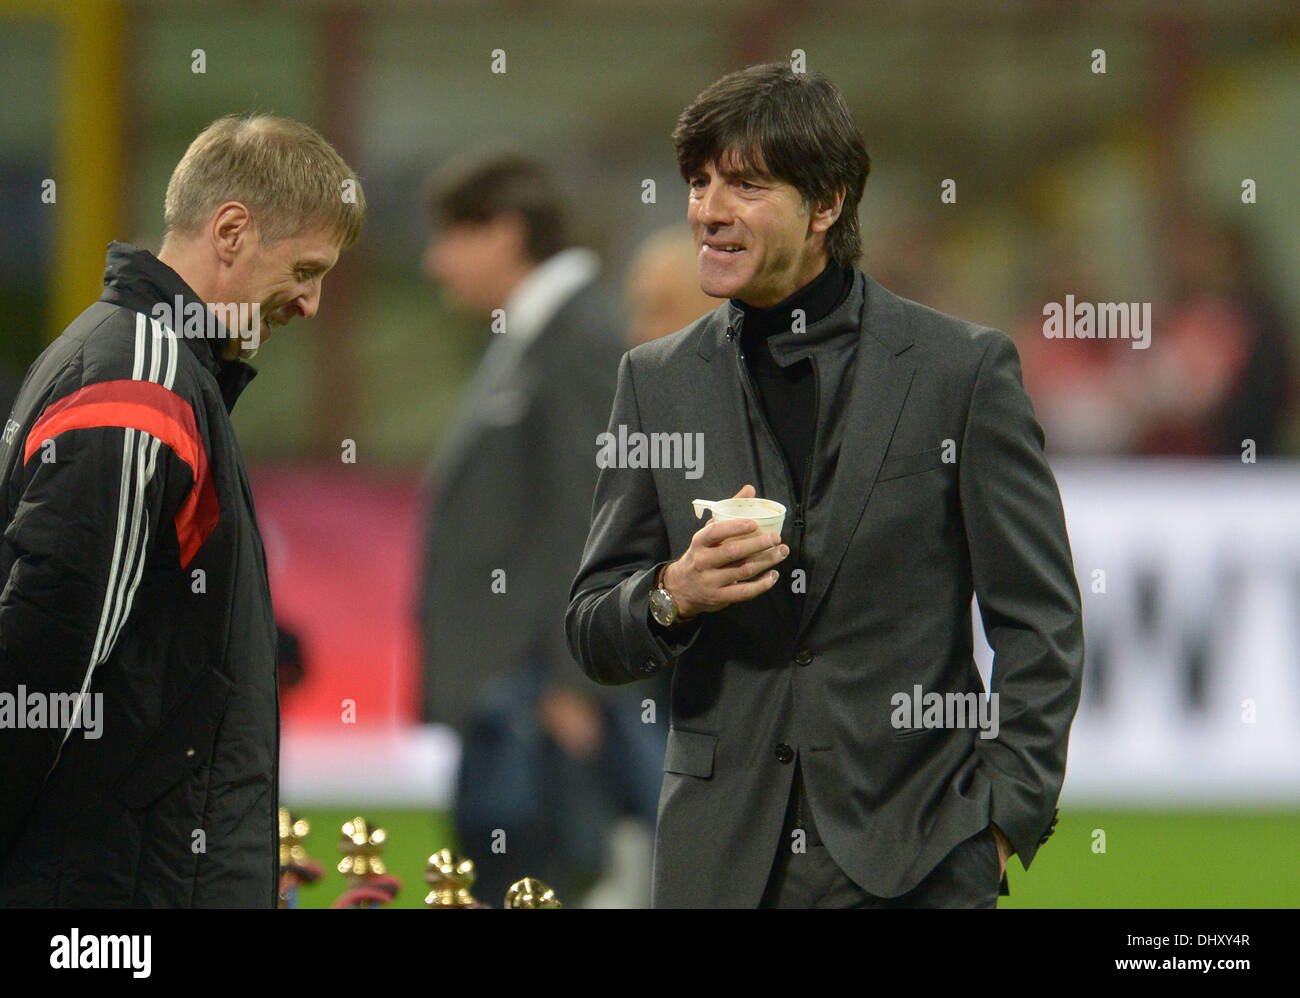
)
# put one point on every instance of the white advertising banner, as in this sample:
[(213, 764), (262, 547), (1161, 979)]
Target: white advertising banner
[(1190, 576)]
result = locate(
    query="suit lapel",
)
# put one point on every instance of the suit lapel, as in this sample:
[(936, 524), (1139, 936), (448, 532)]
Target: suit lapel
[(883, 376), (733, 458), (731, 420)]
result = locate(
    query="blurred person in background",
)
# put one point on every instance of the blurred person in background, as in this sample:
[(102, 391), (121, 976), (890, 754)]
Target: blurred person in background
[(135, 583), (1085, 392), (1217, 372), (1219, 369), (662, 294), (547, 763), (663, 289)]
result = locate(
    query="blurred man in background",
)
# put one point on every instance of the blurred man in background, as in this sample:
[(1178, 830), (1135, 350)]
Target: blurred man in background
[(1220, 375), (663, 288), (547, 763), (136, 599), (662, 294)]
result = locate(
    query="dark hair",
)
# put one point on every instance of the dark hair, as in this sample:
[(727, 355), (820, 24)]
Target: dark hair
[(794, 127), (484, 187)]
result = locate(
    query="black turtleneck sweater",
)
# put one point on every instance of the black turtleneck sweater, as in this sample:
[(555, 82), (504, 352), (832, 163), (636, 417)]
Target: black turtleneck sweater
[(788, 395)]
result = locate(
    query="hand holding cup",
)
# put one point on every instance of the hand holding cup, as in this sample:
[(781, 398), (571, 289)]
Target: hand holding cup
[(730, 558)]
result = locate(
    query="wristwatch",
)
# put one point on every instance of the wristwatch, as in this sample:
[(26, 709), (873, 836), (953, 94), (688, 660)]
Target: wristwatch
[(662, 607)]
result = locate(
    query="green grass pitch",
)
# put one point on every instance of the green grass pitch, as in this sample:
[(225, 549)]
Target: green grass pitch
[(1165, 859)]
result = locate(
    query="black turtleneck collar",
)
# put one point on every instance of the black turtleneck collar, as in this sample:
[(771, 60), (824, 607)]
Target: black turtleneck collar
[(136, 279), (817, 299), (767, 335)]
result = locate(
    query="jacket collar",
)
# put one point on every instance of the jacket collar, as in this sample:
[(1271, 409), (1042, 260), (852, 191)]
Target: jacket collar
[(136, 279), (883, 369), (868, 308), (537, 299)]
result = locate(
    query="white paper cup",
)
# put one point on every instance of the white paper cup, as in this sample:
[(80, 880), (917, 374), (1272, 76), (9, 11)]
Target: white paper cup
[(767, 513)]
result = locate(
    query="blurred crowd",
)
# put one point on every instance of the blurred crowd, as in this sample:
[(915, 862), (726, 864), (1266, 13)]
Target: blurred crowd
[(1214, 377)]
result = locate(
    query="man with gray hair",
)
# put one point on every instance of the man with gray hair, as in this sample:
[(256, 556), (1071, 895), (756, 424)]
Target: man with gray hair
[(134, 575)]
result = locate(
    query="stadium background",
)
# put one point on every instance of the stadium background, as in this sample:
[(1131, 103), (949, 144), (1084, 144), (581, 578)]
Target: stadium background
[(1125, 185)]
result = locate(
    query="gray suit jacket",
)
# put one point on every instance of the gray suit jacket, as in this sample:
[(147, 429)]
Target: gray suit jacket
[(897, 539), (511, 493)]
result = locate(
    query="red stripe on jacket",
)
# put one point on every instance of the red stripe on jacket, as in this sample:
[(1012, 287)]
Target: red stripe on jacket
[(150, 408)]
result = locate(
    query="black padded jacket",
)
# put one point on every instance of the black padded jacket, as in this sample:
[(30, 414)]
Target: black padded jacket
[(139, 713)]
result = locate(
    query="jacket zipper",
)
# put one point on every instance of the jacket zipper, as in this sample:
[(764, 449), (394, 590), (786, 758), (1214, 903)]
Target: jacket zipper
[(812, 454), (797, 548), (751, 393)]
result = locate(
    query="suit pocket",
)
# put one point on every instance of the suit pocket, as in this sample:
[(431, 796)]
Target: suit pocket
[(911, 464), (690, 753), (180, 746)]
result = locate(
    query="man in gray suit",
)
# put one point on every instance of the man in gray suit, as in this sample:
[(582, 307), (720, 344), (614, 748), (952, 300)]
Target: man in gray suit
[(830, 741), (547, 760)]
